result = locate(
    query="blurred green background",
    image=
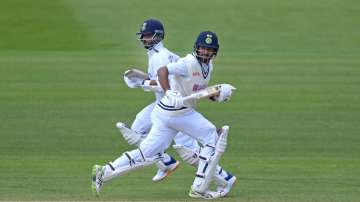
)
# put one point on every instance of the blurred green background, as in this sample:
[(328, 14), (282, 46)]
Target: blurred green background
[(295, 117)]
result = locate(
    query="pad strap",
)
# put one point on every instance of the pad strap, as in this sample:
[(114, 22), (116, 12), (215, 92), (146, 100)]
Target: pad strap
[(131, 160)]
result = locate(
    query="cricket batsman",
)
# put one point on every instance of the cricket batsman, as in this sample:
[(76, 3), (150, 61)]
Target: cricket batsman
[(174, 114), (151, 35)]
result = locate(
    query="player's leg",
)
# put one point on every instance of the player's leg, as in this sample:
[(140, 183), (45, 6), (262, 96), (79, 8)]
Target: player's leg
[(204, 131), (188, 149), (127, 162), (223, 179), (138, 131), (139, 128), (168, 164), (212, 162), (186, 141), (149, 152), (142, 122)]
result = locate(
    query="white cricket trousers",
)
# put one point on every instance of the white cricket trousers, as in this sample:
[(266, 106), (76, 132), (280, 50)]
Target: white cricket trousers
[(165, 127), (142, 124)]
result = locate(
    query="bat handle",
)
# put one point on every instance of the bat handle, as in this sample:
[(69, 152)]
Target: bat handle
[(190, 97)]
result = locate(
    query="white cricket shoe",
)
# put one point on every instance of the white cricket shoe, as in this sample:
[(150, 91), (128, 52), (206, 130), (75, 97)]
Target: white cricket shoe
[(162, 174), (226, 189), (96, 179), (207, 195)]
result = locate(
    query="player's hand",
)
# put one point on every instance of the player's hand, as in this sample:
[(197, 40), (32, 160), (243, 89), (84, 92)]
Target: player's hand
[(175, 99), (226, 91)]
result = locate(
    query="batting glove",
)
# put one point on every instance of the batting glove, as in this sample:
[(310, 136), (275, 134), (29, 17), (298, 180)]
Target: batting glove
[(175, 99), (226, 91)]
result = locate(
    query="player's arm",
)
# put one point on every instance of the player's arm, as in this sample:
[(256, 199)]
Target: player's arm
[(177, 68), (173, 97), (163, 77), (157, 62)]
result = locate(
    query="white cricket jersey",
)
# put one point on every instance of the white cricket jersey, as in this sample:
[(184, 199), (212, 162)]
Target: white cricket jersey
[(188, 77), (159, 56)]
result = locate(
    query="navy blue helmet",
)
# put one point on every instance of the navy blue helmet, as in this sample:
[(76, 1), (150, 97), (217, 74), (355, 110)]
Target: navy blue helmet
[(207, 40), (151, 32)]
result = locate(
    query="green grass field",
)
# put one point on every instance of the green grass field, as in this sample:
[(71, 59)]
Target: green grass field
[(295, 118)]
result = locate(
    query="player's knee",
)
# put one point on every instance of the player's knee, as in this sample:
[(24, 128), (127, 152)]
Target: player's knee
[(207, 150), (134, 156), (141, 124), (140, 127)]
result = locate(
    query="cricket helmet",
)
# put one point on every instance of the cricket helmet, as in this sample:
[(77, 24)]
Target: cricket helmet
[(155, 29), (206, 39)]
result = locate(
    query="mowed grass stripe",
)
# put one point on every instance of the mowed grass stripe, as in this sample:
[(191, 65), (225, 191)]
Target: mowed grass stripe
[(67, 121), (40, 25)]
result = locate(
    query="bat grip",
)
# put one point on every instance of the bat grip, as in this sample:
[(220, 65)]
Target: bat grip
[(190, 97)]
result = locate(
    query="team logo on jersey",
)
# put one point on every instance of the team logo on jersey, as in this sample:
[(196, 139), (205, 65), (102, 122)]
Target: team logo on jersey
[(196, 73), (197, 87), (143, 27)]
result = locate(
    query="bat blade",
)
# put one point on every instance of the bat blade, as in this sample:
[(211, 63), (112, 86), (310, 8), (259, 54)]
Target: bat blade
[(205, 93), (136, 73)]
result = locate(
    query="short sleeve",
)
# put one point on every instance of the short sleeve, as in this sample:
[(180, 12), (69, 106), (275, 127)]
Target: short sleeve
[(158, 62), (177, 68)]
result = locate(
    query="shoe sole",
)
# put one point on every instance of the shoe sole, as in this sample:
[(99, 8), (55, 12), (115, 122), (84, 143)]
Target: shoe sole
[(194, 195), (198, 196), (168, 173)]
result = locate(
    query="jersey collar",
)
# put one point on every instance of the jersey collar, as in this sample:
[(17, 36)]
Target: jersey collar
[(155, 49)]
